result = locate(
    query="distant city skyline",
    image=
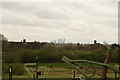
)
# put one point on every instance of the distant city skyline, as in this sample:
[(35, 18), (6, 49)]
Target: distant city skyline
[(81, 22), (62, 41)]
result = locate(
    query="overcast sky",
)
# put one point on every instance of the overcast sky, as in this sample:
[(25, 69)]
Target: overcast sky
[(47, 21)]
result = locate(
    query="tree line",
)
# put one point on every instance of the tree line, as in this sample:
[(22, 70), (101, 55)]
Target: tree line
[(51, 53)]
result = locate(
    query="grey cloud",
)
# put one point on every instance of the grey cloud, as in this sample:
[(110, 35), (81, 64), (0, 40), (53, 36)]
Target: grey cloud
[(68, 19), (10, 17), (38, 9)]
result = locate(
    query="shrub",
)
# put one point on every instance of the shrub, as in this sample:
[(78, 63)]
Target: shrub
[(4, 68), (29, 56), (12, 57), (17, 68), (115, 56), (98, 55)]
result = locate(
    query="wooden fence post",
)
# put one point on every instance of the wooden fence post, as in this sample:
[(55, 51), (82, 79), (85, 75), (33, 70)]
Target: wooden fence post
[(10, 72), (107, 61)]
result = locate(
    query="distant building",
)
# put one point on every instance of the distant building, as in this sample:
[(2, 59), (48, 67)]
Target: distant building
[(54, 41), (61, 41)]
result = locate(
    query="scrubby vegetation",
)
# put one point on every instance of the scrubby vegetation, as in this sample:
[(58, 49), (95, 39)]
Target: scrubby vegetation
[(50, 53), (17, 68)]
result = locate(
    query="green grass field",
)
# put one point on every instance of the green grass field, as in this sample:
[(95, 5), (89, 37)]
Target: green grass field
[(59, 70), (67, 65)]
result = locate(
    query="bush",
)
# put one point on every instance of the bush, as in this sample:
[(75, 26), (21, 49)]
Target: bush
[(52, 53), (29, 56), (17, 68), (98, 55), (116, 56), (5, 69), (12, 57)]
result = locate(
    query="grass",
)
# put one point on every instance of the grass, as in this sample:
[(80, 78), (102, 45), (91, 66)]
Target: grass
[(55, 64), (59, 70), (67, 65), (110, 75)]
